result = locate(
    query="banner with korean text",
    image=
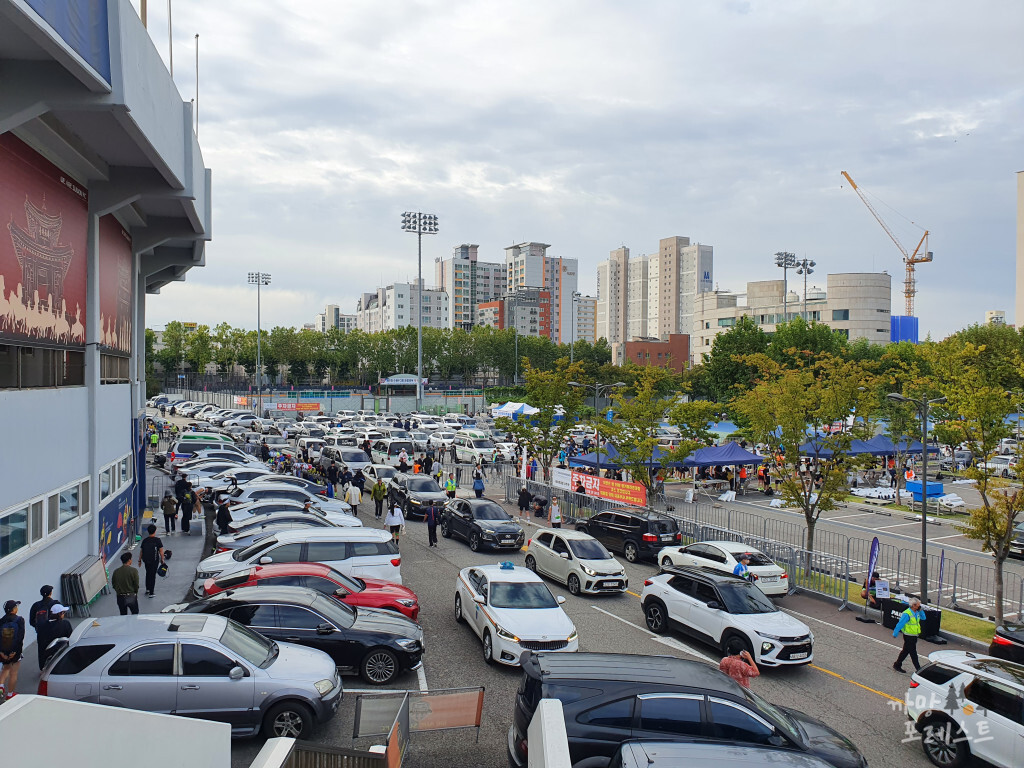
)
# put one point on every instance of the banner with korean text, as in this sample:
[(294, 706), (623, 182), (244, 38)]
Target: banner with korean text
[(298, 407), (633, 494)]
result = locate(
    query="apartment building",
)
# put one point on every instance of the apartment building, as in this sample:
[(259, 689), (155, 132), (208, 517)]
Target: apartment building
[(613, 296), (468, 282), (586, 319), (397, 306), (528, 266), (528, 310), (333, 317)]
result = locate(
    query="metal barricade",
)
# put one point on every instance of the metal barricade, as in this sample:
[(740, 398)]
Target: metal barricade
[(822, 573)]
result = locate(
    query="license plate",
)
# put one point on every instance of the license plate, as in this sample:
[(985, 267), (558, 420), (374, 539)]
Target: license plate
[(615, 584), (798, 655), (667, 537), (508, 540), (770, 579)]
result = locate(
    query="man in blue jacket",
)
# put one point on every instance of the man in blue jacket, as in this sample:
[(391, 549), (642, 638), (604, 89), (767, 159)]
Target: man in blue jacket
[(910, 624)]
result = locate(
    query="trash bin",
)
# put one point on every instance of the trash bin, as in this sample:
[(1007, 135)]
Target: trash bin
[(891, 610), (932, 622)]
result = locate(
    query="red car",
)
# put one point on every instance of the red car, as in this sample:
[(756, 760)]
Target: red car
[(368, 593)]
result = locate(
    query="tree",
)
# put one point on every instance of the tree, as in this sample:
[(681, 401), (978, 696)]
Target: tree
[(173, 339), (692, 419), (789, 405), (544, 433), (224, 353), (199, 349), (724, 368), (798, 341)]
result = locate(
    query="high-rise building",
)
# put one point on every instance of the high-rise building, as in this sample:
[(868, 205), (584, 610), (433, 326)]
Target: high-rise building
[(612, 295), (528, 310), (676, 275), (995, 317), (586, 319), (527, 265), (468, 282), (396, 306), (637, 287), (333, 317)]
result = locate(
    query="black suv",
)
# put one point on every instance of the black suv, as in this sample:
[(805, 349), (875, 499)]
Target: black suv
[(634, 533), (609, 698), (415, 494)]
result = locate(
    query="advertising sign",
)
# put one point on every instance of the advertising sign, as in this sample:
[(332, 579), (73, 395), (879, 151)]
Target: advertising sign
[(116, 286), (882, 588), (398, 738), (298, 406), (562, 479), (873, 556), (114, 523), (43, 252), (241, 400), (613, 490)]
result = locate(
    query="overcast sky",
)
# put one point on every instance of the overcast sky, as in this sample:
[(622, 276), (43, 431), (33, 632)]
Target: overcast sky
[(591, 124)]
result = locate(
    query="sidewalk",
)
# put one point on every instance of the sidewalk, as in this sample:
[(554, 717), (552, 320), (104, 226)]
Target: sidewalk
[(173, 588)]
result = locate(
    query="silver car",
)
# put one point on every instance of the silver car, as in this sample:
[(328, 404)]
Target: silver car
[(201, 666)]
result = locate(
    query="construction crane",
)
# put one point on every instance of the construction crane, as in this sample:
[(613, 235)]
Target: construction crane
[(920, 255)]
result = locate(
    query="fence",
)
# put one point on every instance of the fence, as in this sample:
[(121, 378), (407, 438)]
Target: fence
[(434, 402), (308, 755)]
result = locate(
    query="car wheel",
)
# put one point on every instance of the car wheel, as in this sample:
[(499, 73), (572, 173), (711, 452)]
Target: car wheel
[(666, 561), (446, 530), (458, 607), (573, 583), (733, 643), (289, 720), (474, 541), (631, 552), (944, 743), (531, 563), (379, 667), (581, 528), (488, 647), (656, 617)]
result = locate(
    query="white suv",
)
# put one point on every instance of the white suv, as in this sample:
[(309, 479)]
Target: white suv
[(729, 611), (577, 560), (966, 704)]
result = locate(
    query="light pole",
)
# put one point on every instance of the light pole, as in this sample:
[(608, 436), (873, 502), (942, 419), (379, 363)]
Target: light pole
[(598, 388), (804, 267), (510, 304), (259, 278), (787, 261), (572, 326), (922, 408), (419, 224)]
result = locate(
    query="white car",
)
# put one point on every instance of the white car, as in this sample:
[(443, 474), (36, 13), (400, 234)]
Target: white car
[(264, 491), (965, 704), (724, 556), (505, 452), (727, 611), (443, 436), (1002, 466), (577, 560), (382, 471), (218, 474), (511, 610), (473, 449)]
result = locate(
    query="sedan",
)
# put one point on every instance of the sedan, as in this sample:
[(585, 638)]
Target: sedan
[(378, 645), (724, 556), (1008, 642), (415, 494), (511, 610), (299, 482), (284, 492), (482, 523), (382, 471), (359, 592)]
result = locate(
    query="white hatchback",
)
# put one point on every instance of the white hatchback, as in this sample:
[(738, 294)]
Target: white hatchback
[(577, 560), (724, 556)]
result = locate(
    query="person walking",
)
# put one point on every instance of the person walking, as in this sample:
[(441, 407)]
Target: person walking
[(12, 646), (555, 513), (452, 452), (740, 666), (910, 625), (450, 486), (378, 493), (154, 441), (39, 614), (395, 521), (223, 517), (57, 626), (359, 480), (152, 555), (432, 518), (353, 496), (170, 507), (332, 477), (188, 505), (403, 461), (125, 583), (524, 503), (478, 481), (180, 489), (264, 451)]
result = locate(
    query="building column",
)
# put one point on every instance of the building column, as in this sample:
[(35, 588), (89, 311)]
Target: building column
[(138, 378), (92, 372)]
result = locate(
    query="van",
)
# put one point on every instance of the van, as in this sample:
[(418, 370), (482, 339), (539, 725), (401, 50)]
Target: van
[(473, 448), (387, 451), (313, 444)]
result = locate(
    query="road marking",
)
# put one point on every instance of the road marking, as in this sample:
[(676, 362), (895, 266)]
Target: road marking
[(844, 517), (669, 641), (631, 592), (841, 629), (421, 676), (853, 682), (897, 525), (619, 618), (940, 538)]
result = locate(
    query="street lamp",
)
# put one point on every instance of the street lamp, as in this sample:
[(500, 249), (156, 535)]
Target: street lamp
[(419, 224), (922, 409), (787, 261), (572, 326), (598, 389), (258, 279), (804, 267), (510, 303)]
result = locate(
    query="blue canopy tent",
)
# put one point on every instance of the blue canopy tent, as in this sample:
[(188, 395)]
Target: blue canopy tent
[(857, 447), (725, 455), (885, 447), (608, 459)]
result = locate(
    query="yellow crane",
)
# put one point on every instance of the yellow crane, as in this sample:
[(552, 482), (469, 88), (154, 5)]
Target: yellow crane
[(919, 256)]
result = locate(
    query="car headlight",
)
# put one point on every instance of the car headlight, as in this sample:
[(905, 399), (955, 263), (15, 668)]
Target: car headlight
[(487, 533), (573, 636), (417, 502), (204, 575), (406, 602), (505, 634), (324, 687), (408, 643), (588, 571)]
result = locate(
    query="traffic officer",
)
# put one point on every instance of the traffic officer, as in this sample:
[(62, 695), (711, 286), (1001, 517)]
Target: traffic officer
[(450, 486), (910, 625)]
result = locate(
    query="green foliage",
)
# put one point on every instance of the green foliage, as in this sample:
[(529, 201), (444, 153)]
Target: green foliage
[(798, 341), (199, 349), (725, 370)]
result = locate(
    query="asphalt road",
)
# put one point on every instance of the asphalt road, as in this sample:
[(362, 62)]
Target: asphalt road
[(850, 685)]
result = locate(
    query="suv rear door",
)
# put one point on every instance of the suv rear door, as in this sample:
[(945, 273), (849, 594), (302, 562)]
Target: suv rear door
[(669, 716)]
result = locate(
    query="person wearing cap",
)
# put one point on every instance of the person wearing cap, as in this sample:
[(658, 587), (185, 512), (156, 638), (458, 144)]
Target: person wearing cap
[(57, 626), (12, 644), (39, 614), (741, 567)]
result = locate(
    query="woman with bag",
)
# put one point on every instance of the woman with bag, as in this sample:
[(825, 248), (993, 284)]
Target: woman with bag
[(170, 507), (395, 521), (478, 482)]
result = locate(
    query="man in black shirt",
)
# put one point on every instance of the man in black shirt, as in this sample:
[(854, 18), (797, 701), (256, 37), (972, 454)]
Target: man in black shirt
[(39, 615), (57, 626), (180, 489), (332, 476), (151, 555)]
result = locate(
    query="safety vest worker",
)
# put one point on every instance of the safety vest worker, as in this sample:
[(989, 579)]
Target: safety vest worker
[(909, 474), (910, 625)]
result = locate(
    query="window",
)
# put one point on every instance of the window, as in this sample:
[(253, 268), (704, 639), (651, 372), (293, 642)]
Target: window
[(255, 615), (105, 483), (999, 699), (287, 553), (282, 581), (372, 548), (293, 617), (79, 658), (714, 554), (705, 593), (200, 661), (617, 714), (671, 714), (326, 551), (13, 531), (52, 517), (736, 724), (840, 314), (683, 584), (147, 661)]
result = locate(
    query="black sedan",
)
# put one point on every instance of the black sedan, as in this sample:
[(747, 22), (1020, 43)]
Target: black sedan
[(378, 644), (482, 523), (1008, 642), (415, 494)]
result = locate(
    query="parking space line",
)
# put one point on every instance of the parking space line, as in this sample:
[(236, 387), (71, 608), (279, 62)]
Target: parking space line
[(421, 676), (845, 517), (841, 629), (669, 641), (940, 538), (897, 525)]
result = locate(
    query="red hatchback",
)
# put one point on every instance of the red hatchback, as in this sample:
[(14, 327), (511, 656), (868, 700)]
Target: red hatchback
[(368, 593)]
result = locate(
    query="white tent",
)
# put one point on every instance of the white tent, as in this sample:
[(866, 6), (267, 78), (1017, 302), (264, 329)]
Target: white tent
[(510, 409)]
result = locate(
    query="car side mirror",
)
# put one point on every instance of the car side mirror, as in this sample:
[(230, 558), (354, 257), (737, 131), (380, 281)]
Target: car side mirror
[(324, 629), (776, 740), (560, 599), (714, 605), (564, 555), (479, 600), (266, 560), (236, 673)]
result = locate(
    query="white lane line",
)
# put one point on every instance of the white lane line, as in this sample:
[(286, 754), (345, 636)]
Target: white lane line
[(841, 629), (422, 677), (940, 538), (844, 517), (898, 525), (669, 641)]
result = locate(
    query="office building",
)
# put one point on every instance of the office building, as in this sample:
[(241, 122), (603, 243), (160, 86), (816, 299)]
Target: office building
[(995, 317), (527, 265), (333, 317), (857, 304), (396, 306), (468, 282), (104, 199)]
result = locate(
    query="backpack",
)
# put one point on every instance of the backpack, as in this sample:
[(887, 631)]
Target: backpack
[(8, 631)]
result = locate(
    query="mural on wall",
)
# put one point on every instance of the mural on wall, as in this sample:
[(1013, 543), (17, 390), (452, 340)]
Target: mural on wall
[(43, 252), (115, 523), (115, 286)]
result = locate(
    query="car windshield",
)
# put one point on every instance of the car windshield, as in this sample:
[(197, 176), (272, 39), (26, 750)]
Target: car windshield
[(483, 444), (519, 594), (254, 549), (424, 485), (275, 440), (746, 598), (357, 457), (785, 723), (251, 646), (385, 473), (490, 511), (350, 583), (588, 549)]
